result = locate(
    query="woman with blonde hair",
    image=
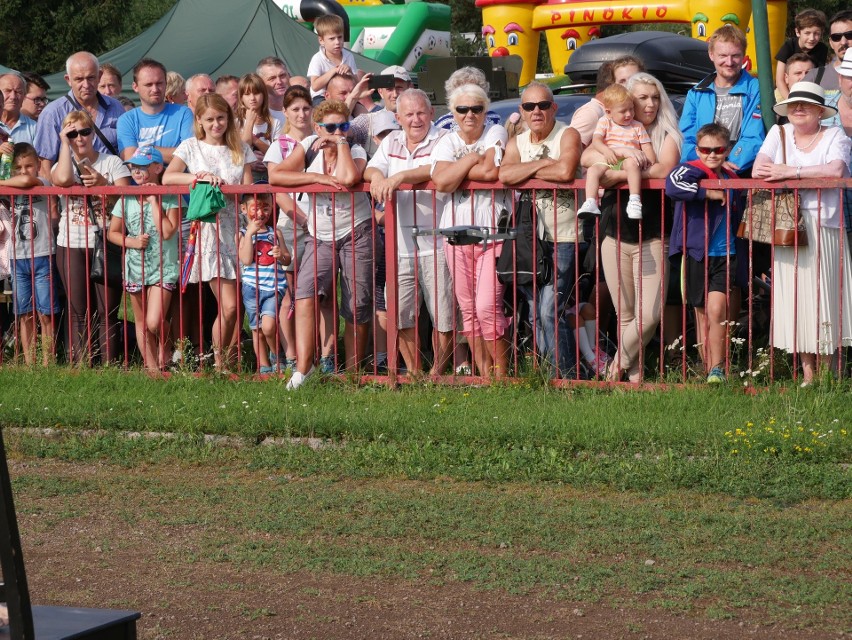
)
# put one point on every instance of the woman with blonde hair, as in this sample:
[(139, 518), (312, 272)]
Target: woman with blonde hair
[(82, 217), (628, 265), (474, 151), (216, 155)]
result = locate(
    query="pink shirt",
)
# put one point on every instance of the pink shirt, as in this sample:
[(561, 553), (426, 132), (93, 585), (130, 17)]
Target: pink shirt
[(632, 136)]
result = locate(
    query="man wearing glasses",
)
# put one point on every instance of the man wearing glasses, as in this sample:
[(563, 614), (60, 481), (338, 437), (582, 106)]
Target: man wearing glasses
[(839, 37), (35, 99), (13, 123), (549, 150)]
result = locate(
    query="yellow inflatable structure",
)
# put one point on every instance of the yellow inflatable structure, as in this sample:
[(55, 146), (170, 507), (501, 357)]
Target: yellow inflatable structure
[(512, 26)]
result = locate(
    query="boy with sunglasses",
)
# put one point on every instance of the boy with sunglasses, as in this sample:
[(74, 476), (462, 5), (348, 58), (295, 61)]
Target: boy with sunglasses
[(702, 248)]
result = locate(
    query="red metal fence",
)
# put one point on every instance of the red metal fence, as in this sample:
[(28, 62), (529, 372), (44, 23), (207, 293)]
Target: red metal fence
[(614, 310)]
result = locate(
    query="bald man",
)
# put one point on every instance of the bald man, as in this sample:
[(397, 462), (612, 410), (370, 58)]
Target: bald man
[(82, 73)]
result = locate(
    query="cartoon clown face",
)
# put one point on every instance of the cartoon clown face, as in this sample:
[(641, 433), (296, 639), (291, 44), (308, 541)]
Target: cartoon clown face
[(507, 30), (563, 42)]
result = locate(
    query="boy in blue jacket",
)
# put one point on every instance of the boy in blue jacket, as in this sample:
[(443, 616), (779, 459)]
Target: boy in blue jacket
[(702, 241)]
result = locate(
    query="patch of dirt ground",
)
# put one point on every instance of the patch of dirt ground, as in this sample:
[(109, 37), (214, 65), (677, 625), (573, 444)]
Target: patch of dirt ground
[(101, 562)]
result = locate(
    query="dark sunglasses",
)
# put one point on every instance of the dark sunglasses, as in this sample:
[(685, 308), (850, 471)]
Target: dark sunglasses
[(837, 37), (544, 105), (331, 127), (80, 132), (717, 150), (463, 109), (39, 100)]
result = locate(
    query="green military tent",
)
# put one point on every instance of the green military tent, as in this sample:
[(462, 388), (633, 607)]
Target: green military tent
[(217, 38)]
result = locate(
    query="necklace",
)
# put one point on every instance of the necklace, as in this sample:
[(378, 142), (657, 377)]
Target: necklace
[(811, 143)]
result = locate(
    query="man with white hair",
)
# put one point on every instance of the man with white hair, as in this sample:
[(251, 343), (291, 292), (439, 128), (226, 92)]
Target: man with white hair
[(197, 86), (405, 157), (82, 73), (15, 124)]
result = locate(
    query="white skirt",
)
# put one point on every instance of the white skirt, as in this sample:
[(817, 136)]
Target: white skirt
[(803, 321)]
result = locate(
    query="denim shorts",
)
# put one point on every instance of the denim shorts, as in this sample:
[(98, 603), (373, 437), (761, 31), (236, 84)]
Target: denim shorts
[(267, 301), (41, 273)]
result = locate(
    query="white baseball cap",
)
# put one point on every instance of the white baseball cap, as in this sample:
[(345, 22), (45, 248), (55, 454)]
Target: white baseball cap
[(398, 72)]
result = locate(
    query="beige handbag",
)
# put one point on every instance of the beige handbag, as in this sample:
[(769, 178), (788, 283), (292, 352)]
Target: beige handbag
[(757, 222)]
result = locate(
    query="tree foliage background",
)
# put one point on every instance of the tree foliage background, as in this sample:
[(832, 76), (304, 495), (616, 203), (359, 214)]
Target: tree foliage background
[(38, 35)]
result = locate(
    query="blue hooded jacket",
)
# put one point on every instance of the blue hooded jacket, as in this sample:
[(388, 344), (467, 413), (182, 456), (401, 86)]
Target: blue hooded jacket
[(700, 109)]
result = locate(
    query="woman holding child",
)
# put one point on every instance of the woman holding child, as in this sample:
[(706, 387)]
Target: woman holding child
[(630, 266), (808, 280), (82, 218)]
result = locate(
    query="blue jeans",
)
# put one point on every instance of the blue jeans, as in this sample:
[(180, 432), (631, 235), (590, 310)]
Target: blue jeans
[(551, 303)]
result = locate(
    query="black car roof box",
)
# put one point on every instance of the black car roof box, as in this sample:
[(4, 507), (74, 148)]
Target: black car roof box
[(671, 58)]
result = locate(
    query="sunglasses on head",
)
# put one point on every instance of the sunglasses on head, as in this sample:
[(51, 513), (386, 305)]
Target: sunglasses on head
[(80, 132), (463, 109), (544, 105), (331, 127), (837, 37), (717, 150)]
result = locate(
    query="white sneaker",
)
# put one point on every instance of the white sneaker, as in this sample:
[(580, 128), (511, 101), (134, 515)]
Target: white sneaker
[(634, 209), (298, 379), (588, 210)]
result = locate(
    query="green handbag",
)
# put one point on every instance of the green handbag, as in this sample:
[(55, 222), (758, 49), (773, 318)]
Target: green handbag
[(205, 201)]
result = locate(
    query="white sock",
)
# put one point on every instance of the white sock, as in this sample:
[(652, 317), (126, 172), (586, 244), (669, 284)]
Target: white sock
[(635, 198), (585, 347), (592, 332)]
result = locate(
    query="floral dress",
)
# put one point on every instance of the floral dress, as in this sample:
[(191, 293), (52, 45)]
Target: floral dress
[(216, 252)]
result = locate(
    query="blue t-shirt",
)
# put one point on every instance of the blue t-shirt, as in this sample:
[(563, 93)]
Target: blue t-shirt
[(47, 142), (168, 128)]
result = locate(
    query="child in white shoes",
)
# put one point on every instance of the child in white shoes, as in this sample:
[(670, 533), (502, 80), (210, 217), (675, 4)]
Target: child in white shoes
[(620, 142)]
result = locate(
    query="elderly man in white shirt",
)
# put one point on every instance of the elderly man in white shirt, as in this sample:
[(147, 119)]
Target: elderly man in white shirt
[(404, 156)]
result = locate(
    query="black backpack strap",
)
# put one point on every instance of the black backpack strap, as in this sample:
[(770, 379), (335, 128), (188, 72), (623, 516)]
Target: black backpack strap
[(109, 145)]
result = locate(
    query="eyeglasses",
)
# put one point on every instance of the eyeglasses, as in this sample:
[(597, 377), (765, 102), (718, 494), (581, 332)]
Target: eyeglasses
[(79, 132), (38, 100), (717, 150), (331, 127), (137, 168), (544, 105), (837, 37), (463, 109)]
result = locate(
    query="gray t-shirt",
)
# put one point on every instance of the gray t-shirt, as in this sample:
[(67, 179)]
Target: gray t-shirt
[(729, 111)]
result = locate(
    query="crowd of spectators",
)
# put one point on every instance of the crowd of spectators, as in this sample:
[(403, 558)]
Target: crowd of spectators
[(295, 262)]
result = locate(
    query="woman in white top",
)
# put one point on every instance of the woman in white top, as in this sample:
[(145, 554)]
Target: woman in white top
[(82, 217), (808, 280), (340, 224), (217, 155), (474, 152)]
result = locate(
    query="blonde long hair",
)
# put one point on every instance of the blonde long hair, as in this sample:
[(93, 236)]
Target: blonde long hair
[(666, 122), (232, 136)]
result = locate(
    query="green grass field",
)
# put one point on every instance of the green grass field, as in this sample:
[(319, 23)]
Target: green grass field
[(700, 501)]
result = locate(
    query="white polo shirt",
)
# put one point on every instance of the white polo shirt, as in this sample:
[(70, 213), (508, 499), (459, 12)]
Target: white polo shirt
[(413, 208)]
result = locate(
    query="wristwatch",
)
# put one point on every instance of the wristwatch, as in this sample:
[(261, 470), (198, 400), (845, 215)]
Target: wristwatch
[(342, 140)]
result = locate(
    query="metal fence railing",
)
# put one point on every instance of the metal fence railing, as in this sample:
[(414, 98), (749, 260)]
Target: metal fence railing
[(381, 292)]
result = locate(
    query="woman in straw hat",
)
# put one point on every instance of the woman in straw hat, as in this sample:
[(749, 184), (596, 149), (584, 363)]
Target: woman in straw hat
[(810, 280)]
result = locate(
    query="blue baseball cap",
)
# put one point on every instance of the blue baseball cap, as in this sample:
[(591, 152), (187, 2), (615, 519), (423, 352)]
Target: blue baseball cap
[(145, 156)]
